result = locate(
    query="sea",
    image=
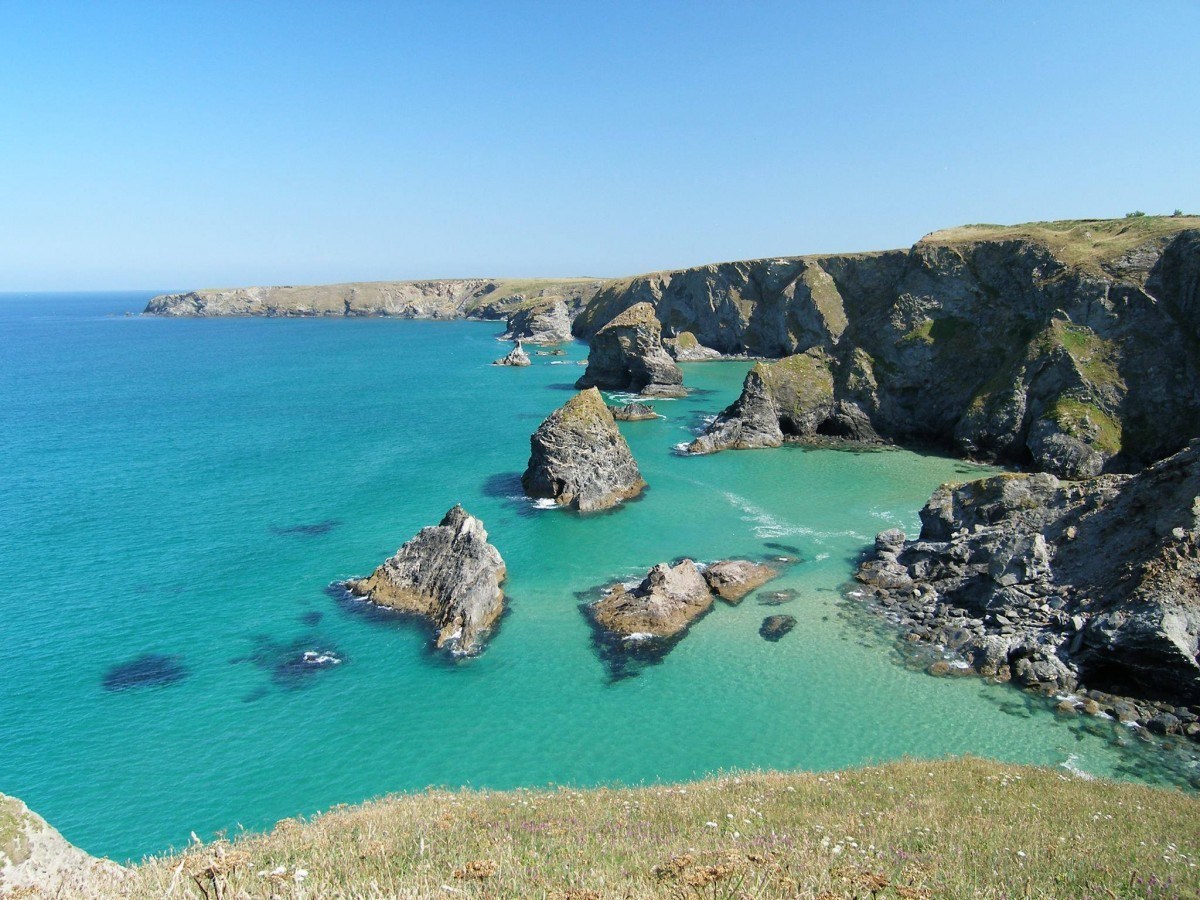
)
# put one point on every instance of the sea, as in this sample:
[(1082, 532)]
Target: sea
[(179, 499)]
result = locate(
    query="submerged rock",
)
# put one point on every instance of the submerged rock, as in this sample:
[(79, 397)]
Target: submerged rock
[(627, 354), (733, 579), (449, 574), (516, 357), (633, 412), (541, 322), (148, 670), (579, 459), (1058, 584), (775, 627), (666, 601)]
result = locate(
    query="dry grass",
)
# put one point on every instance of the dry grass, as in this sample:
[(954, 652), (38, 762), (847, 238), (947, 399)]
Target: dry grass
[(1077, 242), (961, 828)]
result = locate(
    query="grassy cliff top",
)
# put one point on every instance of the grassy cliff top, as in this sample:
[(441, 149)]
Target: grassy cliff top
[(1077, 242), (960, 828)]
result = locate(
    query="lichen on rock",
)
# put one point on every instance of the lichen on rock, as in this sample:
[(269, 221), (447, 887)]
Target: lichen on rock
[(579, 458), (627, 354)]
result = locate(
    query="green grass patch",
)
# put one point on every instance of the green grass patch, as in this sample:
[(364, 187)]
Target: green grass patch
[(1088, 423)]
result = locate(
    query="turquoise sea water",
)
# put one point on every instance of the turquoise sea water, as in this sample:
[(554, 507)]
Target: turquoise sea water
[(191, 488)]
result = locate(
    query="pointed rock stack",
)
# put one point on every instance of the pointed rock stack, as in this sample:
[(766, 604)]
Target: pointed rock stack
[(627, 354), (579, 459), (448, 573)]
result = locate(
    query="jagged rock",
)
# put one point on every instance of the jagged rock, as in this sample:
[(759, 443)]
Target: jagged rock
[(543, 322), (627, 354), (666, 601), (578, 457), (448, 573), (733, 579), (685, 348), (775, 627), (36, 861), (516, 357), (1095, 581), (1066, 346), (633, 412), (791, 398)]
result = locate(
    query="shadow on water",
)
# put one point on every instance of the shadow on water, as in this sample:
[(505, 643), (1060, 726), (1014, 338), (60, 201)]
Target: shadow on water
[(148, 670), (506, 486), (314, 530), (312, 619)]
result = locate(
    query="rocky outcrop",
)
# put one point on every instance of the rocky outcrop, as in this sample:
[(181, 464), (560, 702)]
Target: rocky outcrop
[(627, 354), (662, 605), (579, 459), (515, 357), (484, 298), (449, 574), (733, 579), (542, 322), (633, 412), (37, 861), (685, 348), (1071, 347), (793, 397), (1090, 586)]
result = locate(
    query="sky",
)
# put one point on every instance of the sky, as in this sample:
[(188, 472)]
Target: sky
[(173, 145)]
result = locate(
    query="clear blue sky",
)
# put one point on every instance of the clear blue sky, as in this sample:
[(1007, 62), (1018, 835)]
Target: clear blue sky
[(176, 145)]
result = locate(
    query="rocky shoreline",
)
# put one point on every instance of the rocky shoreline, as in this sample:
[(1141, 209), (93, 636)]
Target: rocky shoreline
[(1084, 590)]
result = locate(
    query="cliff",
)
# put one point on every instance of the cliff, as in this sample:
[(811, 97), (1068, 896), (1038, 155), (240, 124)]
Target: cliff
[(484, 298), (1071, 346)]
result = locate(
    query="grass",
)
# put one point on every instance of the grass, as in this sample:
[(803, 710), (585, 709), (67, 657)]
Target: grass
[(1089, 423), (1094, 355), (1085, 243), (958, 828), (934, 331)]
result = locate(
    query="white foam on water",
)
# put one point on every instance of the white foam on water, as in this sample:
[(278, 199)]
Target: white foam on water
[(543, 503), (1072, 766), (768, 526), (639, 636), (821, 556)]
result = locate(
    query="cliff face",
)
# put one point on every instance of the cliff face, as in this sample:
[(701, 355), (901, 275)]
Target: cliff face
[(1071, 346), (444, 299)]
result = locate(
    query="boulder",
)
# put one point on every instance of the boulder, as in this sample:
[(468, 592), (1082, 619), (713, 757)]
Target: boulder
[(685, 348), (516, 357), (662, 605), (541, 322), (627, 354), (775, 627), (449, 574), (733, 579), (579, 459), (633, 412)]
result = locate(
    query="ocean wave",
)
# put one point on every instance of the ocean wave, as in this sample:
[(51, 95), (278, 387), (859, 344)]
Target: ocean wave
[(543, 503), (767, 525)]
